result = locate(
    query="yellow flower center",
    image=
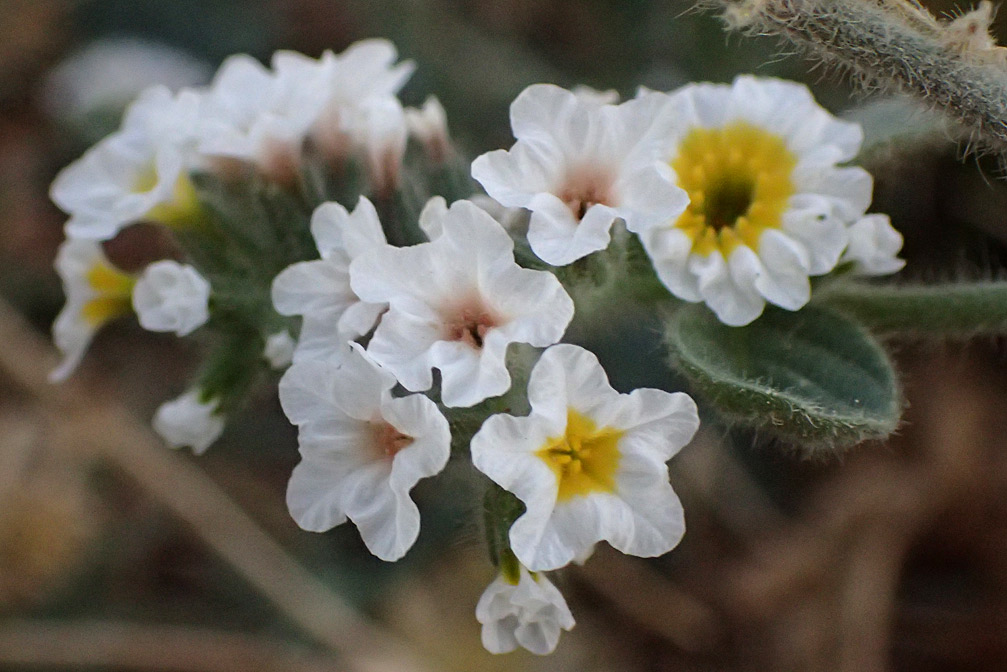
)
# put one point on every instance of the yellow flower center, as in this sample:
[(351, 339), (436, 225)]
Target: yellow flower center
[(113, 294), (584, 459), (181, 211), (738, 181)]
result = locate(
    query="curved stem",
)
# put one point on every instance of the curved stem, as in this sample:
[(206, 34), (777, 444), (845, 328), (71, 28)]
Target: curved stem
[(896, 46)]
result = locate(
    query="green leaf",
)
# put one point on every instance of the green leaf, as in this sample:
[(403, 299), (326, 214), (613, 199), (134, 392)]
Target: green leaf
[(812, 378)]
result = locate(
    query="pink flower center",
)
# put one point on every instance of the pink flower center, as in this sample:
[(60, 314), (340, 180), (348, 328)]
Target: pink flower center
[(389, 441), (469, 322), (583, 188)]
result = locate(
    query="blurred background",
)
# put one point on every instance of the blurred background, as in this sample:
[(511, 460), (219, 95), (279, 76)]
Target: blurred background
[(118, 554)]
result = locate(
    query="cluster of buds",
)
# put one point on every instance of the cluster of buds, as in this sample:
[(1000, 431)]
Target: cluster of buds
[(418, 322)]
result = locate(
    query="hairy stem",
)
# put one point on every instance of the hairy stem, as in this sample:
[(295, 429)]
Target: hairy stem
[(895, 45), (936, 311)]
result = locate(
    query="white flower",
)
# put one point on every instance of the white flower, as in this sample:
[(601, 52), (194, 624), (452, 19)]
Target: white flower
[(874, 246), (362, 450), (320, 290), (577, 166), (139, 172), (190, 420), (107, 74), (588, 462), (429, 125), (170, 296), (96, 292), (529, 612), (769, 204), (455, 304), (350, 87), (354, 110), (279, 350), (382, 137), (255, 115)]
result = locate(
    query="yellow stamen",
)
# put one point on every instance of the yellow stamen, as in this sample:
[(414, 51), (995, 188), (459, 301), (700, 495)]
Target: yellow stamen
[(113, 290), (738, 178), (584, 459), (182, 211)]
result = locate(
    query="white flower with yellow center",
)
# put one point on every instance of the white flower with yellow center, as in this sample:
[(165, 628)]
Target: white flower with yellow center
[(362, 450), (190, 421), (577, 166), (170, 296), (138, 173), (456, 304), (526, 610), (769, 206), (320, 290), (96, 292), (588, 462)]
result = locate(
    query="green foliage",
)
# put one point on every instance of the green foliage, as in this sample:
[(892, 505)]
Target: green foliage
[(813, 378)]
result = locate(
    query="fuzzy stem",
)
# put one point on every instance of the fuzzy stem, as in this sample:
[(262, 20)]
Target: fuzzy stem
[(893, 45), (935, 311)]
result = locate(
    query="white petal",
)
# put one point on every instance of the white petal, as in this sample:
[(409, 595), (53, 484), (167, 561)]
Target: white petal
[(432, 216), (189, 421), (874, 244), (730, 290), (784, 278)]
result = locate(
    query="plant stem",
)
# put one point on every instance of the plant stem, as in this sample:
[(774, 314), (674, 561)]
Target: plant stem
[(894, 45), (934, 311)]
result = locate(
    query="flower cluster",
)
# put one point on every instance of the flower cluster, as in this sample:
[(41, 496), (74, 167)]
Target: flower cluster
[(410, 335), (735, 191), (250, 125)]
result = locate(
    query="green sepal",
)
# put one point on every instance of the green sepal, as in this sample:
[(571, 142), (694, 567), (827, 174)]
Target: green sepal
[(500, 510), (813, 378), (233, 369)]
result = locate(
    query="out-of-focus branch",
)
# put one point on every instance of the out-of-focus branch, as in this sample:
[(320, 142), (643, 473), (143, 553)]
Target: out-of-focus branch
[(157, 648), (91, 421)]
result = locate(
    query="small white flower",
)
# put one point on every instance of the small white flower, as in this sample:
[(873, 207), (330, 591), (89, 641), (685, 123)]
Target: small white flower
[(874, 246), (96, 292), (529, 612), (588, 462), (139, 172), (189, 421), (352, 88), (252, 114), (455, 304), (279, 350), (170, 296), (769, 204), (320, 290), (429, 125), (577, 166), (382, 137), (362, 450)]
